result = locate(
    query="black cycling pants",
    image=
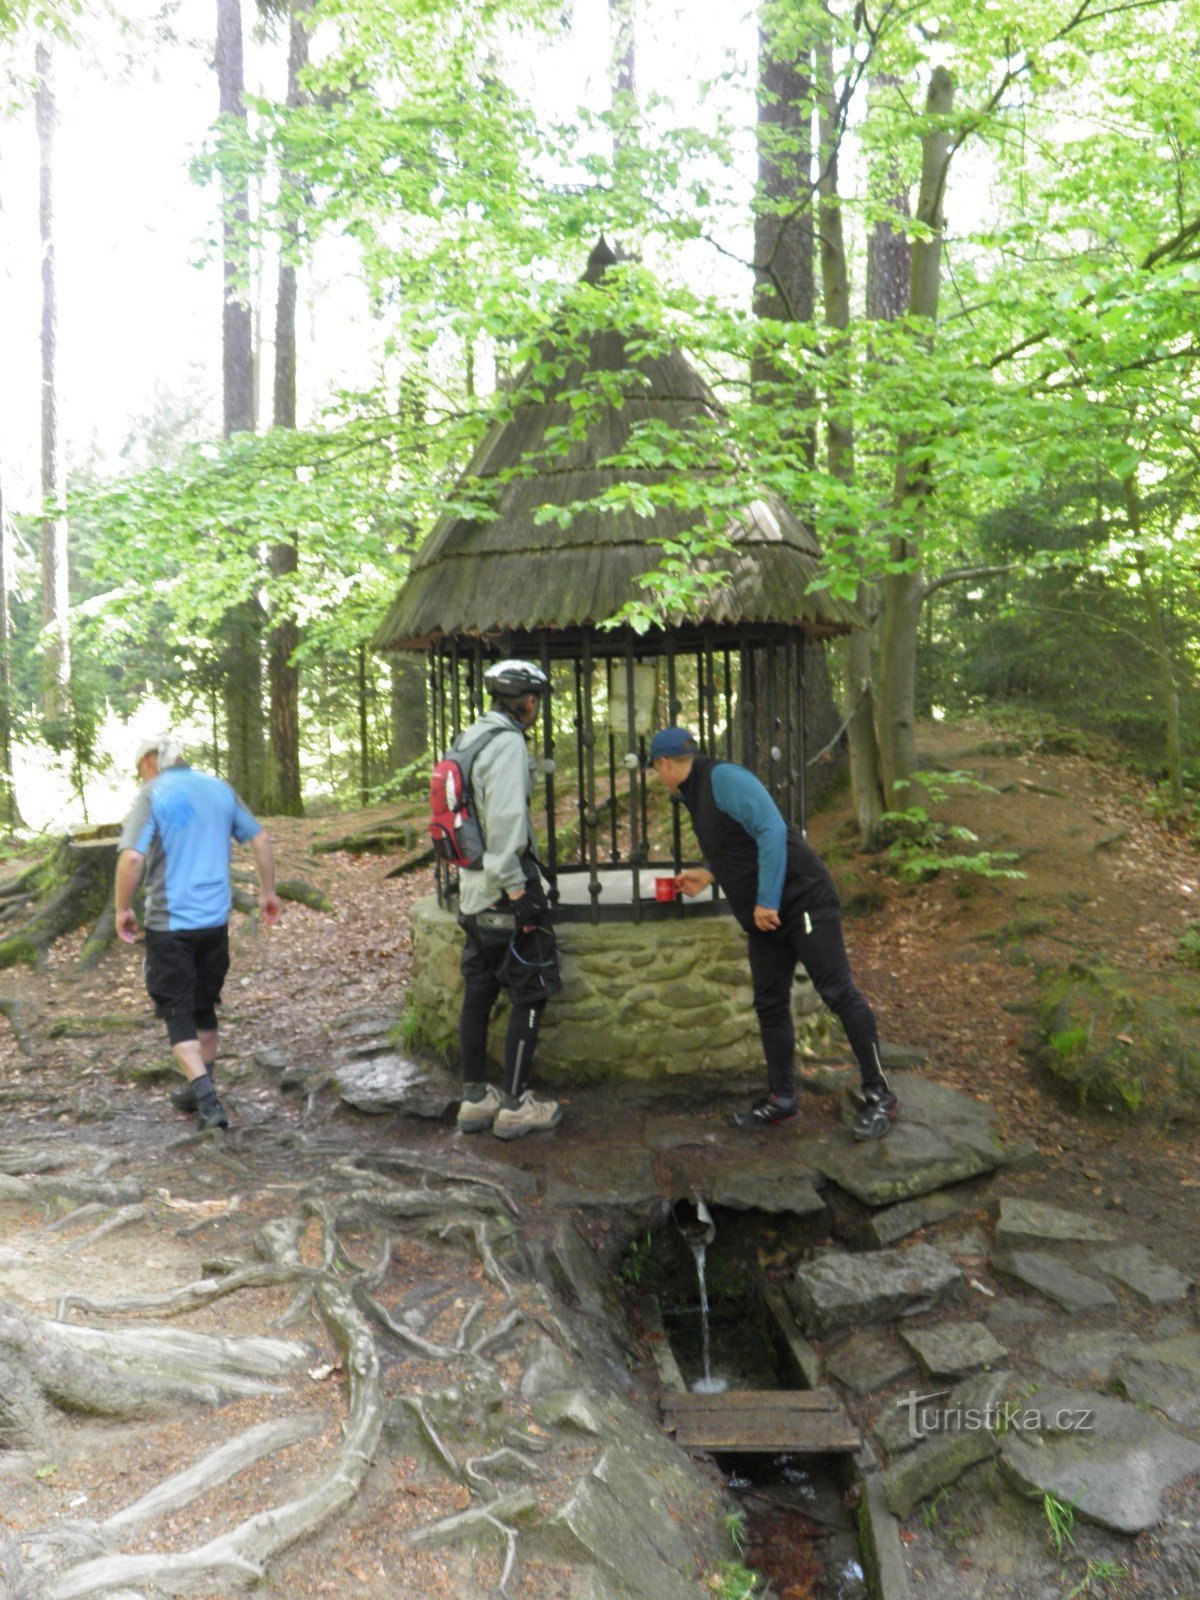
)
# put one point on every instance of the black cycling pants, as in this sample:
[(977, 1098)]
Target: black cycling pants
[(481, 969), (814, 941)]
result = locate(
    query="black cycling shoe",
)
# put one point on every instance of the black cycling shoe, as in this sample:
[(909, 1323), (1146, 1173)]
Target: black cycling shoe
[(185, 1099), (765, 1113), (875, 1115), (212, 1114)]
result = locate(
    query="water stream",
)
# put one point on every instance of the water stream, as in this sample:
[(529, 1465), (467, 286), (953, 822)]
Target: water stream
[(707, 1384)]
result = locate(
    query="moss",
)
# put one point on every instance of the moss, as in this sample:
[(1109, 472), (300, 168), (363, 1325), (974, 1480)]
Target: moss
[(19, 950), (1114, 1049)]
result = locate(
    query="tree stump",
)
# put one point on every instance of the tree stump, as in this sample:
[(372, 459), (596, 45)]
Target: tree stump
[(72, 885)]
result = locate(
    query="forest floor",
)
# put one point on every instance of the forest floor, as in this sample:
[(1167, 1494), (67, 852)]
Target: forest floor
[(950, 968)]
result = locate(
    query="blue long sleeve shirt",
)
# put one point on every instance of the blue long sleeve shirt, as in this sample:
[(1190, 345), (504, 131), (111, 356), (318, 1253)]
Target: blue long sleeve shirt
[(740, 795)]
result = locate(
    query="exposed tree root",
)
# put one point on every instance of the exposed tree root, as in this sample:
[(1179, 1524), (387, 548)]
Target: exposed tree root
[(516, 1504), (426, 1168), (77, 878), (305, 894), (124, 1218)]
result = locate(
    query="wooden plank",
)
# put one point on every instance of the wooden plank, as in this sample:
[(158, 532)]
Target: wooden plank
[(805, 1421)]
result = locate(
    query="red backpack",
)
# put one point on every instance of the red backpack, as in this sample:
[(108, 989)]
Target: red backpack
[(453, 824)]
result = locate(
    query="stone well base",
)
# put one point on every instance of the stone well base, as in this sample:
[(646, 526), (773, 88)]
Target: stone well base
[(646, 1001)]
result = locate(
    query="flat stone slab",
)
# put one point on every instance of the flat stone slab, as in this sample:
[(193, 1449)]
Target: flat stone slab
[(1051, 1276), (939, 1138), (1023, 1222), (394, 1083), (742, 1187), (1090, 1353), (934, 1464), (897, 1222), (920, 1414), (1151, 1280), (592, 1177), (840, 1290), (954, 1349), (1114, 1470), (1166, 1376), (866, 1362)]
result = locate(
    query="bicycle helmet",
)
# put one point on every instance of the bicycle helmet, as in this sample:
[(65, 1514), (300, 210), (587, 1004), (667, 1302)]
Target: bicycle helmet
[(511, 679)]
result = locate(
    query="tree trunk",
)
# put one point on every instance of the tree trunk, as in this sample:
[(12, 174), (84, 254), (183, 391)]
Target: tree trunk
[(408, 708), (624, 78), (865, 779), (284, 674), (56, 656), (242, 629), (10, 815), (1159, 645), (783, 235), (364, 738), (902, 590), (408, 704)]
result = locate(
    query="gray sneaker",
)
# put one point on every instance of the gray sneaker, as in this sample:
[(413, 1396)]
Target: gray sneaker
[(476, 1115), (528, 1116)]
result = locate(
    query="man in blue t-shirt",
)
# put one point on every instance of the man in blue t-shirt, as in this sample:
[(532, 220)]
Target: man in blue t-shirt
[(179, 834), (782, 894)]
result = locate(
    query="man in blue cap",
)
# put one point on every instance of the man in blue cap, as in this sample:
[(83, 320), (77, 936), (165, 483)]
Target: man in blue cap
[(784, 898)]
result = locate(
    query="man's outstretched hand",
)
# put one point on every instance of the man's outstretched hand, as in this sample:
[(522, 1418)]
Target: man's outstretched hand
[(765, 920), (693, 880), (126, 923), (269, 908)]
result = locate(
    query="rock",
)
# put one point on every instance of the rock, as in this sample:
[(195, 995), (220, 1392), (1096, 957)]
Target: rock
[(546, 1369), (1165, 1375), (866, 1362), (795, 1349), (580, 1276), (1133, 1265), (932, 1465), (394, 1083), (1006, 1312), (908, 1419), (1051, 1276), (897, 1057), (1081, 1353), (841, 1290), (897, 1222), (1113, 1471), (271, 1060), (569, 1408), (741, 1187), (617, 1521), (1024, 1222), (880, 1543), (593, 1178), (954, 1349), (939, 1138)]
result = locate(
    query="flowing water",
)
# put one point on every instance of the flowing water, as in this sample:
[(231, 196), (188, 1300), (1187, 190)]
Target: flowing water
[(707, 1384)]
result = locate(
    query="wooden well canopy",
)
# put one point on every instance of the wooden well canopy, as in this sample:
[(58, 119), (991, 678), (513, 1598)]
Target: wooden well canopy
[(531, 577)]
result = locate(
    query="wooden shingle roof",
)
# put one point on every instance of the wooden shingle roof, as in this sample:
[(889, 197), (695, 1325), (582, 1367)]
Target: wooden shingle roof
[(513, 571)]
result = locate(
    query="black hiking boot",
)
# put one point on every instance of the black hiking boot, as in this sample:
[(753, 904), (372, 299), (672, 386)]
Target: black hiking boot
[(765, 1113), (875, 1115), (210, 1113), (185, 1099)]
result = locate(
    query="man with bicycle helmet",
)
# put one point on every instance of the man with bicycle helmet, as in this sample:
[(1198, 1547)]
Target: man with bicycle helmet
[(504, 913)]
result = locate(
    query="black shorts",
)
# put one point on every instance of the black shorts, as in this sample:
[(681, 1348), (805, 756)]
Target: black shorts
[(184, 972)]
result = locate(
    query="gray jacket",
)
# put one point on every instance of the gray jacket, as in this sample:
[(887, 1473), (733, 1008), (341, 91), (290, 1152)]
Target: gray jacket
[(501, 784)]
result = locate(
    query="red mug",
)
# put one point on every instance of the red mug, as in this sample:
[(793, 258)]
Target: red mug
[(664, 889)]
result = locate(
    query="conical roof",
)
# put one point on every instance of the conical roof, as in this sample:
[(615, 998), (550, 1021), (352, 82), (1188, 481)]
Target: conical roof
[(516, 571)]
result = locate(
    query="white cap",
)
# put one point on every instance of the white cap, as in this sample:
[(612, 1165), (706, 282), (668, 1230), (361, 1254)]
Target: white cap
[(167, 749)]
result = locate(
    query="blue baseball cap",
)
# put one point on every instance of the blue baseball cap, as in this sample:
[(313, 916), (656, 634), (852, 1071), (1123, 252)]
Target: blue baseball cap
[(672, 742)]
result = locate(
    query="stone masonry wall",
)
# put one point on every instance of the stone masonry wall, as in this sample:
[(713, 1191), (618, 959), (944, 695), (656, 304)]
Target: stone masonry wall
[(648, 1001)]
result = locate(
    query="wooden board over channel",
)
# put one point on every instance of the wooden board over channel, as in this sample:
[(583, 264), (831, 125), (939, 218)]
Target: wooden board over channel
[(801, 1421)]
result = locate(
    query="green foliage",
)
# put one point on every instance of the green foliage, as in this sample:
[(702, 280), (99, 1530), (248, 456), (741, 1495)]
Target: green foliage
[(1060, 1522), (419, 1031), (918, 843), (634, 1266), (1099, 1574), (735, 1531), (732, 1581), (1116, 1048), (1187, 949)]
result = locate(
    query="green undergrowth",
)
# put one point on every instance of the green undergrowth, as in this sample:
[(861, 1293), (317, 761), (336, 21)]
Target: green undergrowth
[(921, 846), (1117, 1047)]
